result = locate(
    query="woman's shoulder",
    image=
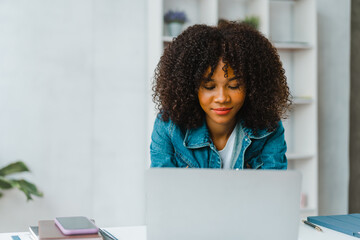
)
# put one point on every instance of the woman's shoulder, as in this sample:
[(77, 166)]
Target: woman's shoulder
[(168, 129), (164, 125), (260, 133)]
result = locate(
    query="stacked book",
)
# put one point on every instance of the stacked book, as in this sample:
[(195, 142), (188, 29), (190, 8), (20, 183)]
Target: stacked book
[(47, 230), (348, 223)]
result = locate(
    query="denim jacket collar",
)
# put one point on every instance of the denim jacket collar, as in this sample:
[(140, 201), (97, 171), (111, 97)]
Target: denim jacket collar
[(197, 137), (200, 137), (258, 135)]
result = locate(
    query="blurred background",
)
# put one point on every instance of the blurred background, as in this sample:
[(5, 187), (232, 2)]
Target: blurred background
[(75, 99)]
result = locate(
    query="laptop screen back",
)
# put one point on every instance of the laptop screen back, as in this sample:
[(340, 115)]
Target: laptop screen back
[(195, 204)]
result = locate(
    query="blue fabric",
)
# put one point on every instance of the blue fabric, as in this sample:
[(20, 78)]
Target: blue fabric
[(172, 146)]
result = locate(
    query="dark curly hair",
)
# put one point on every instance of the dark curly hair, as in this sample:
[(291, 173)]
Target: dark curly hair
[(252, 57)]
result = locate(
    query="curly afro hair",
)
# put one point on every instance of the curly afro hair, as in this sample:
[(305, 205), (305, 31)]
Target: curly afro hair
[(252, 57)]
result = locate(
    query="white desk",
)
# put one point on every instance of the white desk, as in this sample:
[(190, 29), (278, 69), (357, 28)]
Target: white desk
[(139, 233)]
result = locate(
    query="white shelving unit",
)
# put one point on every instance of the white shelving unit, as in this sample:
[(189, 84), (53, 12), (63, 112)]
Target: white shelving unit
[(291, 27)]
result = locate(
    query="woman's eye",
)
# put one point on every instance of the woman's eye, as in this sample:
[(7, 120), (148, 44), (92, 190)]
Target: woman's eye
[(234, 86), (208, 87)]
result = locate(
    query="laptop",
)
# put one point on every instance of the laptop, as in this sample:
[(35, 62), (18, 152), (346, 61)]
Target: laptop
[(196, 204)]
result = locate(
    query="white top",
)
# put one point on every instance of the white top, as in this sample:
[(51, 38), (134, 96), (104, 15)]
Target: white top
[(227, 152)]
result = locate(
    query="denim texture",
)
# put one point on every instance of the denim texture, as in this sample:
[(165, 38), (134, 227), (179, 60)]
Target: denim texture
[(172, 146)]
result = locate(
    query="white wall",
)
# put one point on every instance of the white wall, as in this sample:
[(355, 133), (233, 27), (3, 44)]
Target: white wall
[(72, 104), (334, 95)]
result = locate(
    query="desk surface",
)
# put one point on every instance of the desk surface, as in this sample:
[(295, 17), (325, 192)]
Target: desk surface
[(139, 233)]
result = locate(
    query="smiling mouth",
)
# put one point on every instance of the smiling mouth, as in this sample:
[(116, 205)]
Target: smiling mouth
[(222, 111)]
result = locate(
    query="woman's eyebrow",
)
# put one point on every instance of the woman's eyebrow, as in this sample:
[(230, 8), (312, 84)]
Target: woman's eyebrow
[(213, 80), (208, 80), (234, 78)]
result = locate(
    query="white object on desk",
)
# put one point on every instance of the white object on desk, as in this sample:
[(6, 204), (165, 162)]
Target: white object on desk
[(22, 235), (305, 233), (139, 233), (261, 202)]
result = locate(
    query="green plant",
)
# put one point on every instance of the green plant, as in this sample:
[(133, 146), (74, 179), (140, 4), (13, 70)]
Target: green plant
[(26, 187), (253, 21)]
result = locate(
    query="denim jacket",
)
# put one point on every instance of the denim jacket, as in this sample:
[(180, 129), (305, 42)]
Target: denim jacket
[(172, 146)]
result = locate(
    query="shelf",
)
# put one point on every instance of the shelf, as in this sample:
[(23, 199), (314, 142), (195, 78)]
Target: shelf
[(290, 25), (292, 45), (302, 100), (278, 45), (298, 156), (167, 39), (283, 1)]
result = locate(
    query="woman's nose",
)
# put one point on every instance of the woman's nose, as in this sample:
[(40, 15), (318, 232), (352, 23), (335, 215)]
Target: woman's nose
[(222, 96)]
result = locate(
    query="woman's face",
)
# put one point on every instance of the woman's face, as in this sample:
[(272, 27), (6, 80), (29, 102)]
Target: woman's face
[(221, 98)]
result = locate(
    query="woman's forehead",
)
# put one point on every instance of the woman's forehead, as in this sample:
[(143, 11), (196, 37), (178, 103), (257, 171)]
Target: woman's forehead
[(221, 68)]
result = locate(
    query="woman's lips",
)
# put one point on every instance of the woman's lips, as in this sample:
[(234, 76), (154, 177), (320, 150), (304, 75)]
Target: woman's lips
[(222, 111)]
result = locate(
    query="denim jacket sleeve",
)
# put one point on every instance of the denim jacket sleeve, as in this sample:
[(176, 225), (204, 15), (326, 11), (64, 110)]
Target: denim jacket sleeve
[(273, 154), (161, 148)]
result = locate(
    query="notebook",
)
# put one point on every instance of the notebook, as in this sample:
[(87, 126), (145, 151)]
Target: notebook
[(49, 231), (195, 204), (348, 224)]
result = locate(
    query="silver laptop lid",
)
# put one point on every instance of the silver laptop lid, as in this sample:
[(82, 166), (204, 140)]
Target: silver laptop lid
[(195, 204)]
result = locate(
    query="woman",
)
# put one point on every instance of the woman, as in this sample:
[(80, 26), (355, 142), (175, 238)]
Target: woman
[(221, 92)]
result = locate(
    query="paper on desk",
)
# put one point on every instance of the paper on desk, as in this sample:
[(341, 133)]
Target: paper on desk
[(25, 236)]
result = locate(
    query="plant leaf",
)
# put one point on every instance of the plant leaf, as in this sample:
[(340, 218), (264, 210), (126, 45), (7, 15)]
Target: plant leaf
[(15, 167), (27, 188), (1, 194), (5, 184)]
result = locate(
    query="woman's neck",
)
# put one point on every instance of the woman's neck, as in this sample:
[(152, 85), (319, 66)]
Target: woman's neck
[(220, 133)]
